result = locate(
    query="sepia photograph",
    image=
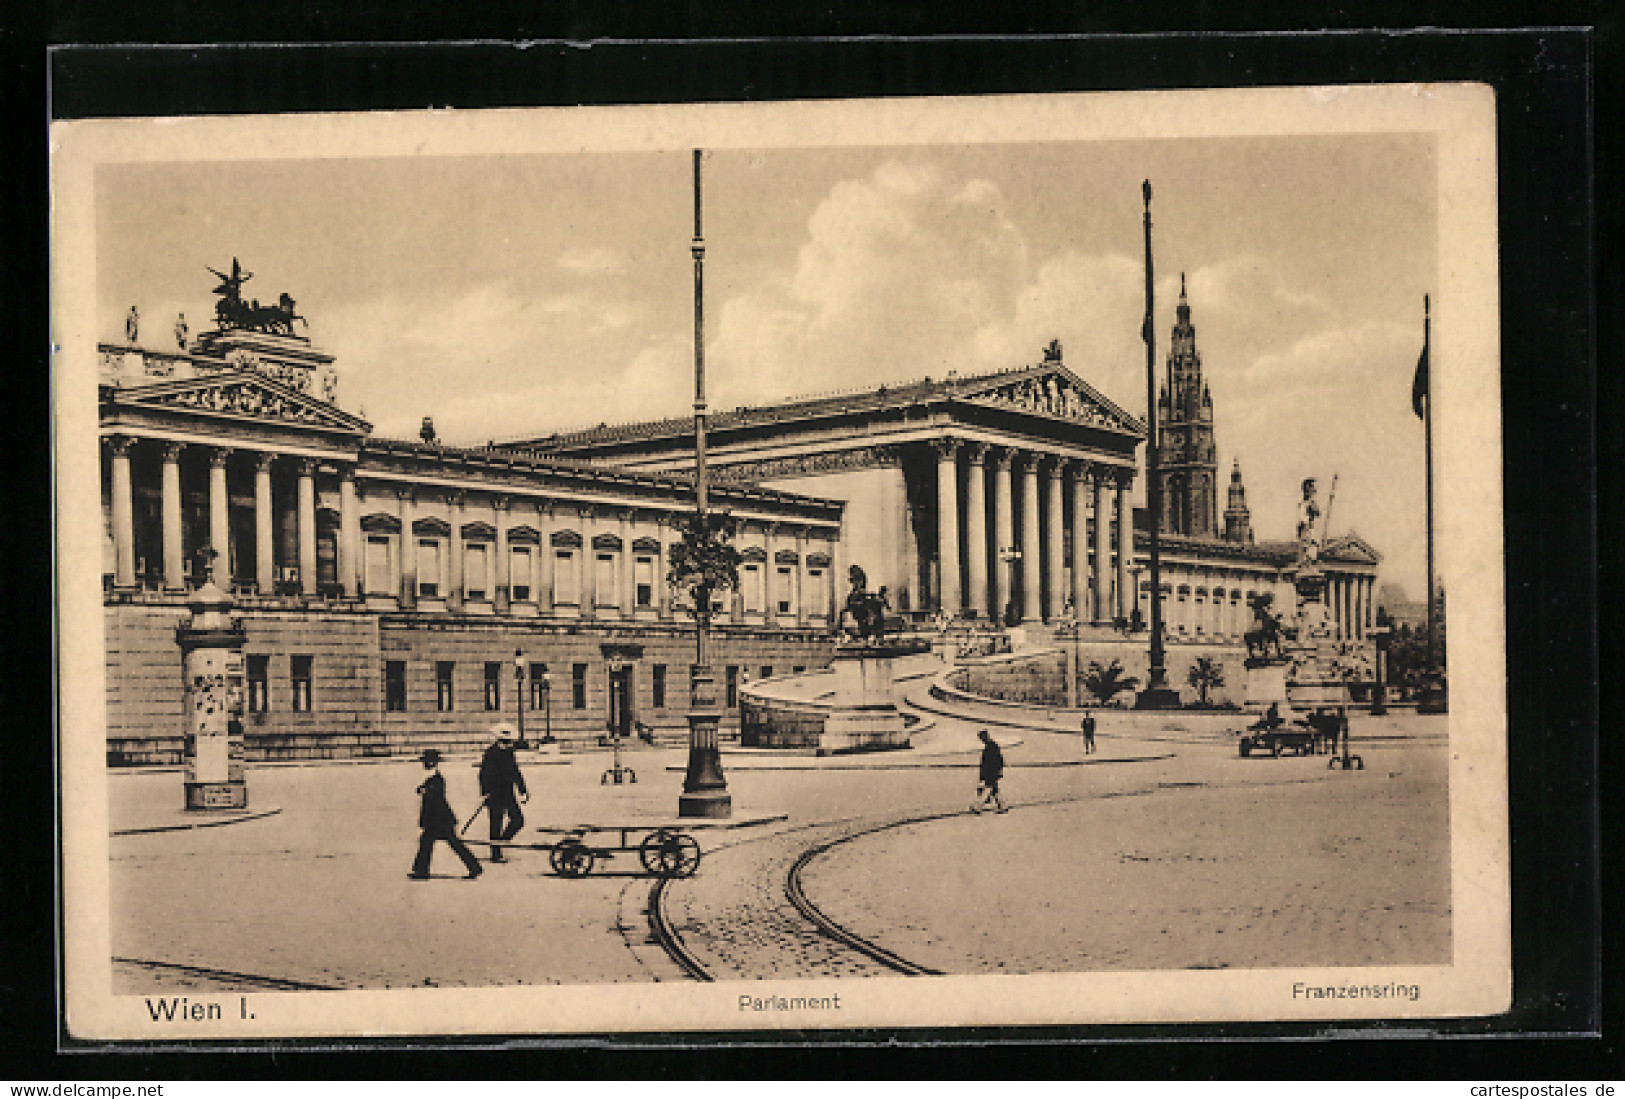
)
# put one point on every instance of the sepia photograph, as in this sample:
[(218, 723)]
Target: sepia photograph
[(1006, 560)]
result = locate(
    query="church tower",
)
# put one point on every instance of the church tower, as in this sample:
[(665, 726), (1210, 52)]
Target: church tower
[(1189, 463), (1238, 521)]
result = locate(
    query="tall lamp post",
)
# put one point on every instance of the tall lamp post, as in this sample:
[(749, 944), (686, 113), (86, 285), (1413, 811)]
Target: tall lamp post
[(1157, 694), (519, 693), (705, 790)]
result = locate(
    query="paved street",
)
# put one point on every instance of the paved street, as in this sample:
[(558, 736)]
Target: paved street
[(1164, 849)]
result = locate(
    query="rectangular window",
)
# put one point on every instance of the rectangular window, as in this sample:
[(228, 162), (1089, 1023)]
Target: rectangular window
[(607, 594), (380, 567), (299, 672), (799, 668), (538, 686), (442, 685), (519, 573), (657, 682), (429, 567), (645, 577), (566, 585), (815, 583), (785, 588), (731, 679), (767, 671), (493, 685), (395, 685), (578, 686), (475, 581), (752, 584), (259, 683)]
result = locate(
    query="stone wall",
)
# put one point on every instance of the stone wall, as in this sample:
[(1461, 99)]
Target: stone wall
[(1039, 678), (349, 650)]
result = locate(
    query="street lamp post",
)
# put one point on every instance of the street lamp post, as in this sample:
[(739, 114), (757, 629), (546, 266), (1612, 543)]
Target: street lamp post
[(705, 790), (1157, 695), (519, 693)]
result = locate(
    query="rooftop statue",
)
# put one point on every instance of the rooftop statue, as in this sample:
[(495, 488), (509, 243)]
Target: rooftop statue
[(231, 311), (1308, 537)]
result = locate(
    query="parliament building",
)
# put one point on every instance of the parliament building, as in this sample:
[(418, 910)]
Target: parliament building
[(396, 593)]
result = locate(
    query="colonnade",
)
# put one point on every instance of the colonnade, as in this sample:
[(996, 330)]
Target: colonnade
[(1098, 588), (1351, 606), (448, 521)]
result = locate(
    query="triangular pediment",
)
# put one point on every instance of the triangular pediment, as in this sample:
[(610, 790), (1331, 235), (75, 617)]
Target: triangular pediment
[(1053, 392), (1351, 547), (241, 395)]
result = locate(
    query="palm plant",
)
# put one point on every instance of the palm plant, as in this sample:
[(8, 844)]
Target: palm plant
[(1205, 675), (1105, 683), (705, 562)]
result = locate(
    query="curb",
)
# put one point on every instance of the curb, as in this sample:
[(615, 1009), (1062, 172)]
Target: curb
[(186, 826)]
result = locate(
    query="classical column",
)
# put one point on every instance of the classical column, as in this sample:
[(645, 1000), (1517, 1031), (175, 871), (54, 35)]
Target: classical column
[(589, 564), (307, 526), (264, 545), (1032, 603), (1055, 547), (1004, 533), (455, 514), (1125, 545), (629, 583), (662, 563), (1080, 542), (546, 562), (948, 599), (123, 514), (349, 535), (500, 568), (409, 554), (219, 519), (799, 577), (174, 578), (770, 604), (1103, 547), (975, 528)]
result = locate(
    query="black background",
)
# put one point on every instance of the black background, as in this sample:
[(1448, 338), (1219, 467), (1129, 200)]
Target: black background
[(1551, 277)]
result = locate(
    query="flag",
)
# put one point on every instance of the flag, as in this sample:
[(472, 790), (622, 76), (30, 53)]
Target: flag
[(1420, 386)]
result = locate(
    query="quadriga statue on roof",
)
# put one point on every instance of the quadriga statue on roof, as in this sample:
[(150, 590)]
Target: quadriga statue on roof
[(231, 311)]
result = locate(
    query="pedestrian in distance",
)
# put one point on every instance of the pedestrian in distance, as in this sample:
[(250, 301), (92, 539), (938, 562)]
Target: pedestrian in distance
[(438, 821), (503, 788), (991, 770), (1088, 731)]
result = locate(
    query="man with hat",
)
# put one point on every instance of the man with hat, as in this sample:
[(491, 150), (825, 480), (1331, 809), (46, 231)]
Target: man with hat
[(438, 821), (500, 781)]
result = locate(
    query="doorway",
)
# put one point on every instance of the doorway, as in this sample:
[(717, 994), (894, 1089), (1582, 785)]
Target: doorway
[(620, 699)]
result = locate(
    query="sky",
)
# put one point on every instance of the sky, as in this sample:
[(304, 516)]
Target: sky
[(509, 296)]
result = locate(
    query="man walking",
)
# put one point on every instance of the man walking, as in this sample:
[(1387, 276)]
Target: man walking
[(992, 769), (1088, 731), (438, 821), (500, 780)]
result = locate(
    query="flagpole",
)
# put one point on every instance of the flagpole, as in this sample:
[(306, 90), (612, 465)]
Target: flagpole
[(1427, 432)]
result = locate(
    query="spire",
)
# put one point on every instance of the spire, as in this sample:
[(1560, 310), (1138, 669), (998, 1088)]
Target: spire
[(1184, 308), (1238, 522)]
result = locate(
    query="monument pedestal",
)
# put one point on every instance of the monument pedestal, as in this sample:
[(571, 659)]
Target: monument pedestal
[(863, 716)]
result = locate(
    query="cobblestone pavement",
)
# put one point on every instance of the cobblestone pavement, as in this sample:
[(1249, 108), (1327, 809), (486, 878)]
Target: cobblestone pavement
[(318, 895)]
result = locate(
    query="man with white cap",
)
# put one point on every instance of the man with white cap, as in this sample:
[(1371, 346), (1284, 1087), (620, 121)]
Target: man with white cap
[(503, 787)]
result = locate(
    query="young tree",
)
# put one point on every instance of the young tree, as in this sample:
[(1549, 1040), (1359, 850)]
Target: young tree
[(1105, 683), (704, 562), (1205, 675)]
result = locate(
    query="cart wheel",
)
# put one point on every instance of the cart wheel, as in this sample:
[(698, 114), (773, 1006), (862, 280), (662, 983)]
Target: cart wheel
[(679, 855), (649, 849), (571, 859)]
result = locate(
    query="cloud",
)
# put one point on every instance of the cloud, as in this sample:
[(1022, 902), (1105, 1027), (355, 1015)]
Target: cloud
[(591, 259)]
